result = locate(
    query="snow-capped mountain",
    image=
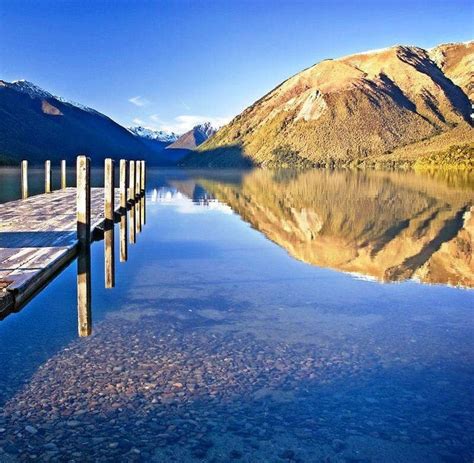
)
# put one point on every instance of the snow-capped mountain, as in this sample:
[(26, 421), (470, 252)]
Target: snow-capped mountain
[(34, 91), (194, 137), (24, 86), (207, 129), (152, 134)]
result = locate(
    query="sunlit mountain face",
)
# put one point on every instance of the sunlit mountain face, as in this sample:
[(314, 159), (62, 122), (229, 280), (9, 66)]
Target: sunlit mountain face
[(383, 225)]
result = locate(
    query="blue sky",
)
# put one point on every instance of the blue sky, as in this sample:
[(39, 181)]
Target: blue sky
[(172, 63)]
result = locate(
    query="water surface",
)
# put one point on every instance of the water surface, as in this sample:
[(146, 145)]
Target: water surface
[(261, 316)]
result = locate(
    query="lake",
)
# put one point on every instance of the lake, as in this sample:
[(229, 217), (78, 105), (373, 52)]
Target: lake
[(280, 316)]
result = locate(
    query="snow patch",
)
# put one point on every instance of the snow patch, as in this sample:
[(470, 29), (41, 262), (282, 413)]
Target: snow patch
[(152, 134), (207, 129), (31, 89), (368, 52)]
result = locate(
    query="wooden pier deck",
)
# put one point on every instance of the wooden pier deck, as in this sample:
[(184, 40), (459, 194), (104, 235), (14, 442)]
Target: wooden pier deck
[(38, 236)]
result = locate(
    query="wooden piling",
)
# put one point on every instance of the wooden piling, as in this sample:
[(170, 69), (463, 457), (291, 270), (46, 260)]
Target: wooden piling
[(83, 196), (123, 211), (138, 196), (131, 181), (123, 184), (63, 175), (47, 177), (109, 193), (142, 177), (137, 178), (24, 179), (143, 199), (131, 198)]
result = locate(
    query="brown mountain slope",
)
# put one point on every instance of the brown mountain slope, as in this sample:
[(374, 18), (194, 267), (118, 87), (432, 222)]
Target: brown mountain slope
[(456, 60), (341, 111), (194, 137)]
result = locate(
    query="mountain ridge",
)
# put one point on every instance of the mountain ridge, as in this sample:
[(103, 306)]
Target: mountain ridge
[(37, 125), (153, 134), (347, 110), (194, 137), (34, 91)]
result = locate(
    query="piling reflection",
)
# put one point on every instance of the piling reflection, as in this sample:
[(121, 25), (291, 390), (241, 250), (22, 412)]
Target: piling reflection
[(142, 210), (123, 210), (109, 211), (138, 220), (131, 202), (123, 237), (133, 227), (84, 291), (84, 311), (109, 259)]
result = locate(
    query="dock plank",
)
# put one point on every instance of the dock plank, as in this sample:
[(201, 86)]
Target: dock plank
[(38, 237)]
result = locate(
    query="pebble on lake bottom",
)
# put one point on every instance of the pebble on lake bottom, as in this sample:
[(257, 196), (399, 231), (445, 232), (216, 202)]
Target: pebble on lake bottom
[(160, 391)]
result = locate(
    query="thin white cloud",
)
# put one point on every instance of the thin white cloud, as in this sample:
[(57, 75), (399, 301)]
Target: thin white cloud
[(185, 106), (137, 121), (183, 123), (139, 101)]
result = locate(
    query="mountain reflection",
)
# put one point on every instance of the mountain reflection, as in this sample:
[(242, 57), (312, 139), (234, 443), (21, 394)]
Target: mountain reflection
[(391, 226)]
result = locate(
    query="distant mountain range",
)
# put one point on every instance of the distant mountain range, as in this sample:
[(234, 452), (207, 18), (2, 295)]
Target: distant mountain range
[(37, 125), (395, 105), (192, 139), (156, 140), (176, 146), (152, 134)]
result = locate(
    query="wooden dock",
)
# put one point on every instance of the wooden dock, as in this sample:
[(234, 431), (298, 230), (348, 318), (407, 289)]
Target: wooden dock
[(39, 235)]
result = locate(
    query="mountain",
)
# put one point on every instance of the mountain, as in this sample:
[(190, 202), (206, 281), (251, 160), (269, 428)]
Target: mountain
[(31, 89), (192, 139), (353, 109), (36, 125), (456, 60), (152, 134)]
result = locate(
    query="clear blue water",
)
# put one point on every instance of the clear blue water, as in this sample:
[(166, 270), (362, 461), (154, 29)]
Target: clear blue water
[(261, 316)]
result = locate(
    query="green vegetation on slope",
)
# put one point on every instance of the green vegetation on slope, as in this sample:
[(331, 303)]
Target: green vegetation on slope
[(455, 157)]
